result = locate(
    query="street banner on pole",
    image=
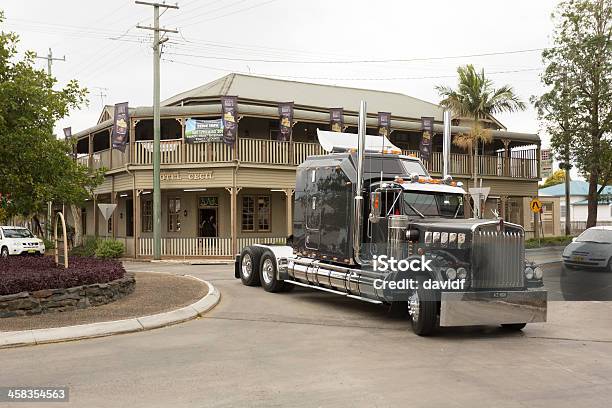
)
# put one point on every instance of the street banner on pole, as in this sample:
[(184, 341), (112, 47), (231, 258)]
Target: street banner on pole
[(285, 112), (229, 108), (384, 124), (68, 137), (203, 131), (120, 126), (336, 119), (427, 126)]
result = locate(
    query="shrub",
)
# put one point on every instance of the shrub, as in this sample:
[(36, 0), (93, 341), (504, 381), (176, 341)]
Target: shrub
[(28, 274), (562, 240), (90, 244), (109, 249), (49, 244)]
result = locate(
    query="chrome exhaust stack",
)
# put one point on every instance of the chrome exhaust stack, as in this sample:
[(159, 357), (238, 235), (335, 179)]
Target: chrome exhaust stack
[(446, 144), (358, 230)]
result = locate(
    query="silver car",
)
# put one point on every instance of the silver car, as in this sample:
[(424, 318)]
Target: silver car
[(592, 248)]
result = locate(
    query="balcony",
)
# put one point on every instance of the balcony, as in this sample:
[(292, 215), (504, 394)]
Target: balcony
[(272, 152), (461, 165)]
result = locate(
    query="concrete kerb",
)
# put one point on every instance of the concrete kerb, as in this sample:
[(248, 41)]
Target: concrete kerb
[(92, 330)]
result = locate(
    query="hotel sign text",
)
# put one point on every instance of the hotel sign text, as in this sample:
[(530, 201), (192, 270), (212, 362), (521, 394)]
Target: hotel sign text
[(175, 175)]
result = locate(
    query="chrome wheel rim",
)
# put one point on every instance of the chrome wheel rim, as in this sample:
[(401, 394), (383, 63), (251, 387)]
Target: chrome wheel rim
[(268, 271), (414, 306), (247, 266)]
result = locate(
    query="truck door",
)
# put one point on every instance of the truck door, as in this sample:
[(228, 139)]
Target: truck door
[(313, 213), (313, 222)]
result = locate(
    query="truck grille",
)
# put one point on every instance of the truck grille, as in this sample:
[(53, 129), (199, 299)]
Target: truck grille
[(498, 259)]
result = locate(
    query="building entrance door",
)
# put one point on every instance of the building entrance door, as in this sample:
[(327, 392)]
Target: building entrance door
[(129, 218), (207, 221)]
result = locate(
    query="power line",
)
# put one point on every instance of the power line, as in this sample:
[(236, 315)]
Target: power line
[(206, 12), (232, 13), (371, 61), (345, 79)]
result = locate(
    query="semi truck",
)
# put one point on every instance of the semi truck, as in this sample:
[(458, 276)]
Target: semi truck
[(371, 224)]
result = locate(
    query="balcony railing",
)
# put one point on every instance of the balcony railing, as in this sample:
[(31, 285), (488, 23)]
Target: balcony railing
[(201, 247), (272, 152), (461, 165)]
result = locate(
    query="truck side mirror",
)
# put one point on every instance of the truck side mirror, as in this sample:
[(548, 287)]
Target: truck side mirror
[(375, 205)]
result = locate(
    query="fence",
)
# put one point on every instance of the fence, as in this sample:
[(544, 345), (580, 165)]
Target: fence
[(576, 227), (203, 247)]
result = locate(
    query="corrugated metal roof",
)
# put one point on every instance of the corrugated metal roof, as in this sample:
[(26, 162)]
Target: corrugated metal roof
[(255, 88), (577, 187)]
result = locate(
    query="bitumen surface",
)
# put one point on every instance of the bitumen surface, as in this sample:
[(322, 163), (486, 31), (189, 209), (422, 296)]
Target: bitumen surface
[(314, 349)]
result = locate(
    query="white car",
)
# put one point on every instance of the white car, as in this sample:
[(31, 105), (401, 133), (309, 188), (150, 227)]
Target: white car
[(19, 241), (592, 248)]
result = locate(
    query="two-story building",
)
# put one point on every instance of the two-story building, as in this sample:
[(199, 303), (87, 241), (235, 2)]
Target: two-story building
[(216, 197)]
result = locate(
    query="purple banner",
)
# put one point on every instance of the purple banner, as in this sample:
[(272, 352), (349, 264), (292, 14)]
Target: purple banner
[(427, 127), (336, 119), (229, 108), (285, 113), (384, 124), (121, 126)]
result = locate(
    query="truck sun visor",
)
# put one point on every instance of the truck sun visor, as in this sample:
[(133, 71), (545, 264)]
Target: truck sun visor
[(337, 141)]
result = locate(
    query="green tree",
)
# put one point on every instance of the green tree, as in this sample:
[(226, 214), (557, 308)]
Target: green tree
[(477, 99), (576, 110), (557, 177), (36, 166)]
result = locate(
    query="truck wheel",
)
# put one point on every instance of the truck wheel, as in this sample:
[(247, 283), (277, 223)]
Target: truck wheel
[(249, 265), (267, 271), (514, 326), (4, 253), (423, 311)]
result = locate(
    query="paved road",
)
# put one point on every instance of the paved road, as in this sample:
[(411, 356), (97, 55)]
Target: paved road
[(311, 349)]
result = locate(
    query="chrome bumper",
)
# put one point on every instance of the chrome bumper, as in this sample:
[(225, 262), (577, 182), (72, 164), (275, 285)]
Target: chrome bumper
[(492, 307)]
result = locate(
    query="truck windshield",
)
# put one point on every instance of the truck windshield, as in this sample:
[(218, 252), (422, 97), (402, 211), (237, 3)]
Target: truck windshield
[(433, 204), (17, 233)]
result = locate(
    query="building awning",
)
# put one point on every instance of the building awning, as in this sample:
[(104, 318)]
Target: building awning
[(271, 112)]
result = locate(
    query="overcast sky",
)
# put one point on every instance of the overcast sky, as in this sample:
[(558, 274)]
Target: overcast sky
[(313, 30)]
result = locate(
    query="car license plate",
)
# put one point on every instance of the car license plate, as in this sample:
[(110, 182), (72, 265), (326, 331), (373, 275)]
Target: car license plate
[(578, 258), (31, 251)]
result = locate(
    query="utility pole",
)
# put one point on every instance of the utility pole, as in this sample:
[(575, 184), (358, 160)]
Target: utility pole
[(156, 120), (567, 165), (101, 93), (50, 60)]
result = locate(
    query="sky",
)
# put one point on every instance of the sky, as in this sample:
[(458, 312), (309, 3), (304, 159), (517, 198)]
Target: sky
[(107, 54)]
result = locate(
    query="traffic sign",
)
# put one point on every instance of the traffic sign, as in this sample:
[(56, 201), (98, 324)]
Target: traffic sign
[(536, 205)]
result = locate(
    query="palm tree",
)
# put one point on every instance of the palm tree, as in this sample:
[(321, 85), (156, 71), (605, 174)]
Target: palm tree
[(475, 98)]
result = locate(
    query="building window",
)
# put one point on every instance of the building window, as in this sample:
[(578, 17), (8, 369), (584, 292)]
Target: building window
[(256, 213), (248, 213), (147, 216), (174, 215)]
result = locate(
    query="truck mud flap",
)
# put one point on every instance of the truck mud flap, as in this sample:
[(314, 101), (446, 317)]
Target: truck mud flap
[(237, 267)]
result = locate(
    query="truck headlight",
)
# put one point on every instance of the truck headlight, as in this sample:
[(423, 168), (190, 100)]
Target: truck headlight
[(461, 273), (451, 274), (529, 272), (538, 273)]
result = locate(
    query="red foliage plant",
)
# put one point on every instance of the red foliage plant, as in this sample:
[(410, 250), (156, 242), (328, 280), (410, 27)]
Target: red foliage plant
[(28, 274)]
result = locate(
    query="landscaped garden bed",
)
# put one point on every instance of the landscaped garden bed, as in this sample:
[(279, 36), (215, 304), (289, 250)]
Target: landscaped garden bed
[(33, 285)]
